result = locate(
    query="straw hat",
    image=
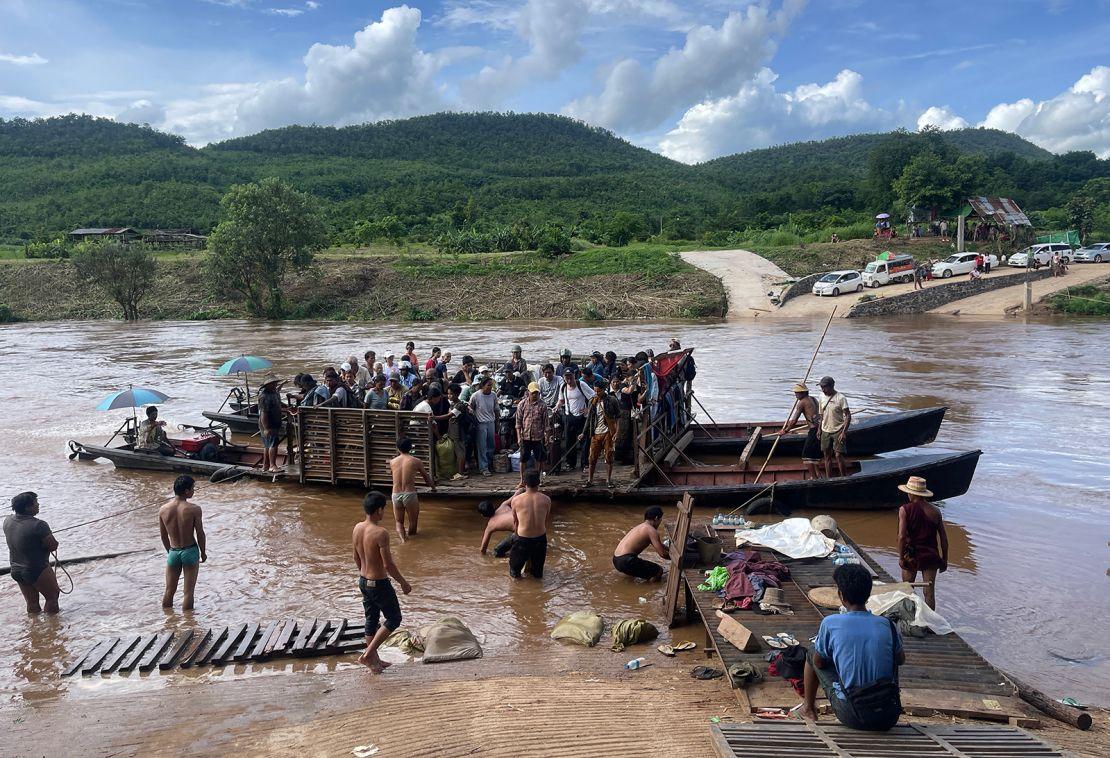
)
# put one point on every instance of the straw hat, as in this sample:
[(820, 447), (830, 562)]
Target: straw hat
[(826, 597), (915, 486), (801, 388), (271, 379)]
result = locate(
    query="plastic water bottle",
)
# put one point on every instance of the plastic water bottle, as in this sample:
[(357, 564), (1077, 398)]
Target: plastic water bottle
[(635, 663), (716, 519)]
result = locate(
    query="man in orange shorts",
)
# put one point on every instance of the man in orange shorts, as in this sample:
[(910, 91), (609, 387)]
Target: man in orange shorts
[(601, 426)]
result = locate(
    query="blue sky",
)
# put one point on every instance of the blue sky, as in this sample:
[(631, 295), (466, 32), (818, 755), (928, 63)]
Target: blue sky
[(692, 80)]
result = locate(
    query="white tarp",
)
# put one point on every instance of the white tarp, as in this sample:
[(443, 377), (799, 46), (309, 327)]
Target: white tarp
[(794, 538), (924, 615)]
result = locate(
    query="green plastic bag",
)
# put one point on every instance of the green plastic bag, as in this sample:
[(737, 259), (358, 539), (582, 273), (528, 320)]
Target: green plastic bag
[(580, 627), (631, 631), (446, 465), (714, 580)]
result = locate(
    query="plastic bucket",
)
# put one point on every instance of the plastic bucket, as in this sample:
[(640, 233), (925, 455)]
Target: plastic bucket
[(709, 550)]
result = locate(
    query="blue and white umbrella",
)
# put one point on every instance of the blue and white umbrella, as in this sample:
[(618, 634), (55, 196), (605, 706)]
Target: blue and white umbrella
[(244, 364), (132, 397)]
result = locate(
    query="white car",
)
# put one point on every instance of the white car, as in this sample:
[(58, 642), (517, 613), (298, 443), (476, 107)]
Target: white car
[(837, 282), (1041, 253), (1095, 252), (960, 263)]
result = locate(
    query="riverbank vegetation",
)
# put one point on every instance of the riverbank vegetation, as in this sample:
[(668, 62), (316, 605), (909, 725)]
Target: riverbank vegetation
[(1084, 300)]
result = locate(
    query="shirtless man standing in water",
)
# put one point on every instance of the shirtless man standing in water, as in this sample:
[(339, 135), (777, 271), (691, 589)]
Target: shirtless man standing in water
[(179, 522), (405, 468), (531, 510), (375, 566)]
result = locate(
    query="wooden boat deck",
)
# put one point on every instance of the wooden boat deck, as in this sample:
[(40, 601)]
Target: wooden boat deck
[(942, 673), (775, 739)]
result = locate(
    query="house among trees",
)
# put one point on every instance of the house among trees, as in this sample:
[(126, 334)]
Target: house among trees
[(114, 233)]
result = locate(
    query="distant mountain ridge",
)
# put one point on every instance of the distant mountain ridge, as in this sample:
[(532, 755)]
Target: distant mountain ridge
[(71, 171)]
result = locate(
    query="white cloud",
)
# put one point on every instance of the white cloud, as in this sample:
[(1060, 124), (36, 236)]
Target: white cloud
[(1076, 119), (383, 74), (552, 28), (287, 12), (758, 115), (34, 59), (712, 62), (941, 117)]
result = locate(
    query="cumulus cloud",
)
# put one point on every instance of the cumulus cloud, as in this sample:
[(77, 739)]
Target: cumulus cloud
[(552, 28), (34, 59), (711, 63), (942, 118), (383, 74), (758, 115)]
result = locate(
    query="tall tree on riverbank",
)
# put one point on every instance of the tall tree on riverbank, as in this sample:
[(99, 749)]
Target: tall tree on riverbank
[(124, 273), (267, 229), (1081, 215)]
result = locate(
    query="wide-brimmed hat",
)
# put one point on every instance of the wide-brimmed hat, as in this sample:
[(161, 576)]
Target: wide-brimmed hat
[(533, 387), (916, 486), (826, 525), (271, 379), (801, 388)]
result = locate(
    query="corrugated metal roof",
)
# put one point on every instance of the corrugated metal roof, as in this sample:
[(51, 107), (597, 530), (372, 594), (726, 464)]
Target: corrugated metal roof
[(1000, 209), (108, 230), (89, 231)]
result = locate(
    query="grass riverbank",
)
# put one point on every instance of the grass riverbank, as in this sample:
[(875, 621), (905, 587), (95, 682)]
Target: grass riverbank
[(1084, 300), (415, 284)]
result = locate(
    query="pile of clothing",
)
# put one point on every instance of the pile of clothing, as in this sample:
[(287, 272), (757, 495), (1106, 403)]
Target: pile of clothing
[(749, 576)]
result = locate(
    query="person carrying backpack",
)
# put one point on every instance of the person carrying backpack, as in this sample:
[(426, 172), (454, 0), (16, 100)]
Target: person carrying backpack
[(855, 660)]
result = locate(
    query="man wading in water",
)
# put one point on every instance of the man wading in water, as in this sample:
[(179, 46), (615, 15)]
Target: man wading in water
[(806, 407), (30, 543), (179, 522), (375, 566), (531, 509), (626, 558), (405, 468)]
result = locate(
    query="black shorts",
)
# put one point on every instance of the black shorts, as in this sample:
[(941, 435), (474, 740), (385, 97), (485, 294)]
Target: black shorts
[(528, 550), (504, 546), (811, 448), (27, 575), (634, 565), (379, 599), (531, 453)]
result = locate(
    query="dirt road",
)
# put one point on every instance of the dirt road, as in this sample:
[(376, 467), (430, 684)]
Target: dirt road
[(998, 302), (747, 278)]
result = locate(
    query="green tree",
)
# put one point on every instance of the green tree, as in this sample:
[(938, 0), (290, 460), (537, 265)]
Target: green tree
[(553, 240), (928, 181), (268, 229), (1081, 215), (124, 273), (622, 228)]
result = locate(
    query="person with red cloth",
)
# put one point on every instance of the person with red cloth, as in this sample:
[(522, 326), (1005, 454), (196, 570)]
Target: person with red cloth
[(920, 529)]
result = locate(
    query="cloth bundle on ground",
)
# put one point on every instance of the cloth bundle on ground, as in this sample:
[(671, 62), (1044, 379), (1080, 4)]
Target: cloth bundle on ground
[(445, 640), (793, 537), (923, 615), (790, 665), (580, 627), (446, 463), (715, 579), (631, 631), (749, 575)]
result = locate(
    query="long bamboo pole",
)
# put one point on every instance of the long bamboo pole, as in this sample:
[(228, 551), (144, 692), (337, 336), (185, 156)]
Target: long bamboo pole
[(805, 378)]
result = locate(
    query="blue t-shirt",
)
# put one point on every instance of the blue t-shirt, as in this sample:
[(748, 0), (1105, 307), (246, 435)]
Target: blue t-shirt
[(858, 645)]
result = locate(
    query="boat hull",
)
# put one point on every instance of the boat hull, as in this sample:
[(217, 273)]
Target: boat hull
[(129, 459), (868, 435), (238, 422)]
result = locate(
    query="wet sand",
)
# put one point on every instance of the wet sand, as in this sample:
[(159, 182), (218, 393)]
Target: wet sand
[(1027, 585)]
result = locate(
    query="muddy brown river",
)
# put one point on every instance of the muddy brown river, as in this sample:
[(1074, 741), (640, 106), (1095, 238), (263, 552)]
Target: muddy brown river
[(1027, 586)]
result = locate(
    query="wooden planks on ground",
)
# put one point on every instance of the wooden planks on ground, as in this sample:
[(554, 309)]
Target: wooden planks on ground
[(241, 643)]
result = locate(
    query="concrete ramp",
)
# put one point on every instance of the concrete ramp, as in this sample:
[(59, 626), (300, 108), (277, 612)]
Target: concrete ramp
[(747, 278)]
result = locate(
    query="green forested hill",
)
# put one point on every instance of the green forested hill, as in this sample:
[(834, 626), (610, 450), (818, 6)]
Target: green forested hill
[(439, 172)]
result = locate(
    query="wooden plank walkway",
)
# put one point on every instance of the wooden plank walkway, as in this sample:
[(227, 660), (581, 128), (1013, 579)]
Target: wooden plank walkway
[(942, 673), (776, 739), (241, 643)]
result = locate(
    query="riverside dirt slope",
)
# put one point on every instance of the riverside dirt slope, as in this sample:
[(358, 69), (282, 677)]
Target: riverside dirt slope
[(1000, 302), (747, 278)]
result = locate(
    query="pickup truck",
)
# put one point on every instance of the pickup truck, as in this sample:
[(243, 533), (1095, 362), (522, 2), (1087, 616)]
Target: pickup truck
[(898, 268)]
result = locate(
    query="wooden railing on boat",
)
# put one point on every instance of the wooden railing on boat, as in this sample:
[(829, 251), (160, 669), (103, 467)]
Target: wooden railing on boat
[(355, 445)]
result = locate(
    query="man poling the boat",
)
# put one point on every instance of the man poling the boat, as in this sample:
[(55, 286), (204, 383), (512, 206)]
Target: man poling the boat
[(806, 407)]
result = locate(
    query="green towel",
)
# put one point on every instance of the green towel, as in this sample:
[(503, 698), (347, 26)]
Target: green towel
[(631, 631), (714, 580)]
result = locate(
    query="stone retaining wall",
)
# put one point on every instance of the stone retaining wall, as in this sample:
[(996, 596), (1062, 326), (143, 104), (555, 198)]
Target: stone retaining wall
[(920, 301), (801, 287)]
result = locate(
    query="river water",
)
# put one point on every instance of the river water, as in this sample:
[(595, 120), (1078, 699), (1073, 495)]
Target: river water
[(1028, 583)]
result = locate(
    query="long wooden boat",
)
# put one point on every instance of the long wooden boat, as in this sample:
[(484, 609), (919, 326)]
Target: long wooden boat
[(868, 434), (230, 461), (239, 421)]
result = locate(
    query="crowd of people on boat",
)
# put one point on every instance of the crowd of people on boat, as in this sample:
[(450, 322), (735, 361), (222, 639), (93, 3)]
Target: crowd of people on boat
[(563, 415)]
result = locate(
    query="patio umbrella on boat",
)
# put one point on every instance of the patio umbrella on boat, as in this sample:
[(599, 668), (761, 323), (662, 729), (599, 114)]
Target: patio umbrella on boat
[(244, 364), (132, 397)]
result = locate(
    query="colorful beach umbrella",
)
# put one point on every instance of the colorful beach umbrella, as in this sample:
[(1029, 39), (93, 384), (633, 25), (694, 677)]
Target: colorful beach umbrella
[(244, 364), (132, 397)]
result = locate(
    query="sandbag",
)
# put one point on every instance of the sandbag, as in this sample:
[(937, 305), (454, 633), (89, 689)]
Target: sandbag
[(449, 640), (446, 465), (580, 627), (631, 631)]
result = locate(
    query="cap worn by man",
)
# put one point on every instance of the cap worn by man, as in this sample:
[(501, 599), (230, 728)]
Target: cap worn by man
[(916, 486), (533, 387), (566, 353), (827, 381), (516, 348), (406, 364)]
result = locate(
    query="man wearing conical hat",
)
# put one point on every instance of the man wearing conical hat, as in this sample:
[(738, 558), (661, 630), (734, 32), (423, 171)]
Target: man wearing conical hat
[(922, 541), (805, 406)]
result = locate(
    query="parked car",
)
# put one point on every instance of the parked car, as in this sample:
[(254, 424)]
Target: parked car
[(1041, 253), (837, 282), (1094, 252), (960, 263)]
